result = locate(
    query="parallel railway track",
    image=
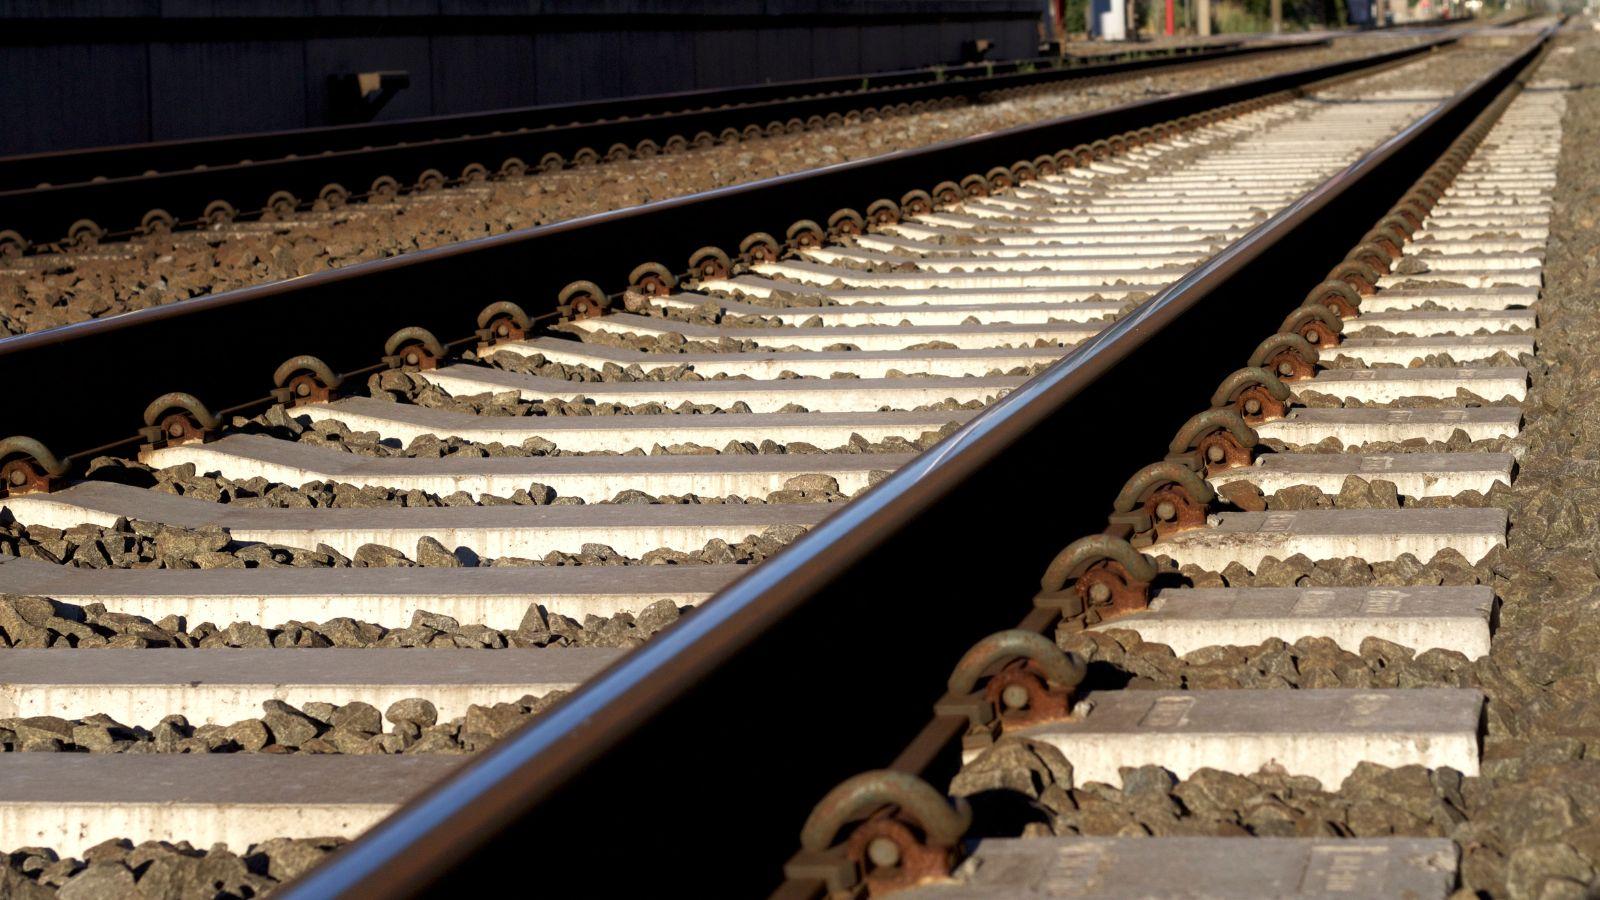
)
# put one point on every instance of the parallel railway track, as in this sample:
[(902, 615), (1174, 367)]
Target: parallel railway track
[(79, 198), (723, 415)]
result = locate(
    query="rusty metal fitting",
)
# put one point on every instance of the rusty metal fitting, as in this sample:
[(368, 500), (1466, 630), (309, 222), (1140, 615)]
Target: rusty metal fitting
[(1395, 224), (617, 153), (1357, 274), (646, 149), (84, 233), (1023, 172), (702, 140), (1286, 355), (430, 180), (1418, 198), (281, 203), (1388, 238), (652, 279), (916, 203), (305, 379), (416, 349), (177, 418), (751, 132), (513, 167), (775, 128), (1045, 165), (947, 193), (1317, 324), (552, 162), (1338, 296), (159, 221), (221, 212), (999, 178), (975, 186), (709, 263), (586, 156), (675, 144), (1116, 145), (846, 222), (582, 300), (502, 321), (1096, 578), (1010, 679), (1214, 441), (1254, 393), (333, 196), (1080, 156), (1161, 500), (759, 247), (1100, 148), (473, 173), (1373, 255), (1412, 212), (27, 466), (805, 234), (904, 832), (883, 212), (12, 244)]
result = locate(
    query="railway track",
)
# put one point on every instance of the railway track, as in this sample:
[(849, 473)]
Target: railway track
[(219, 185), (45, 290), (76, 199), (555, 496)]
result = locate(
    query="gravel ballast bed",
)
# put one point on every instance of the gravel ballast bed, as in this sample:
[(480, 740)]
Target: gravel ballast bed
[(117, 869), (353, 728), (39, 623), (134, 544), (333, 434), (259, 493), (404, 387)]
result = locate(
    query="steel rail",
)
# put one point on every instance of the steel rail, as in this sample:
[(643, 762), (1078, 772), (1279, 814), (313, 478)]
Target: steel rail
[(691, 763), (224, 348), (354, 159)]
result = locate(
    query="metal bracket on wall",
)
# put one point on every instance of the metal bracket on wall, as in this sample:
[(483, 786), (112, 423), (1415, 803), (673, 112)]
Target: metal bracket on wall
[(359, 96)]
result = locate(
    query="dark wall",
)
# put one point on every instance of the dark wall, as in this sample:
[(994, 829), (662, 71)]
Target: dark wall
[(92, 72)]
